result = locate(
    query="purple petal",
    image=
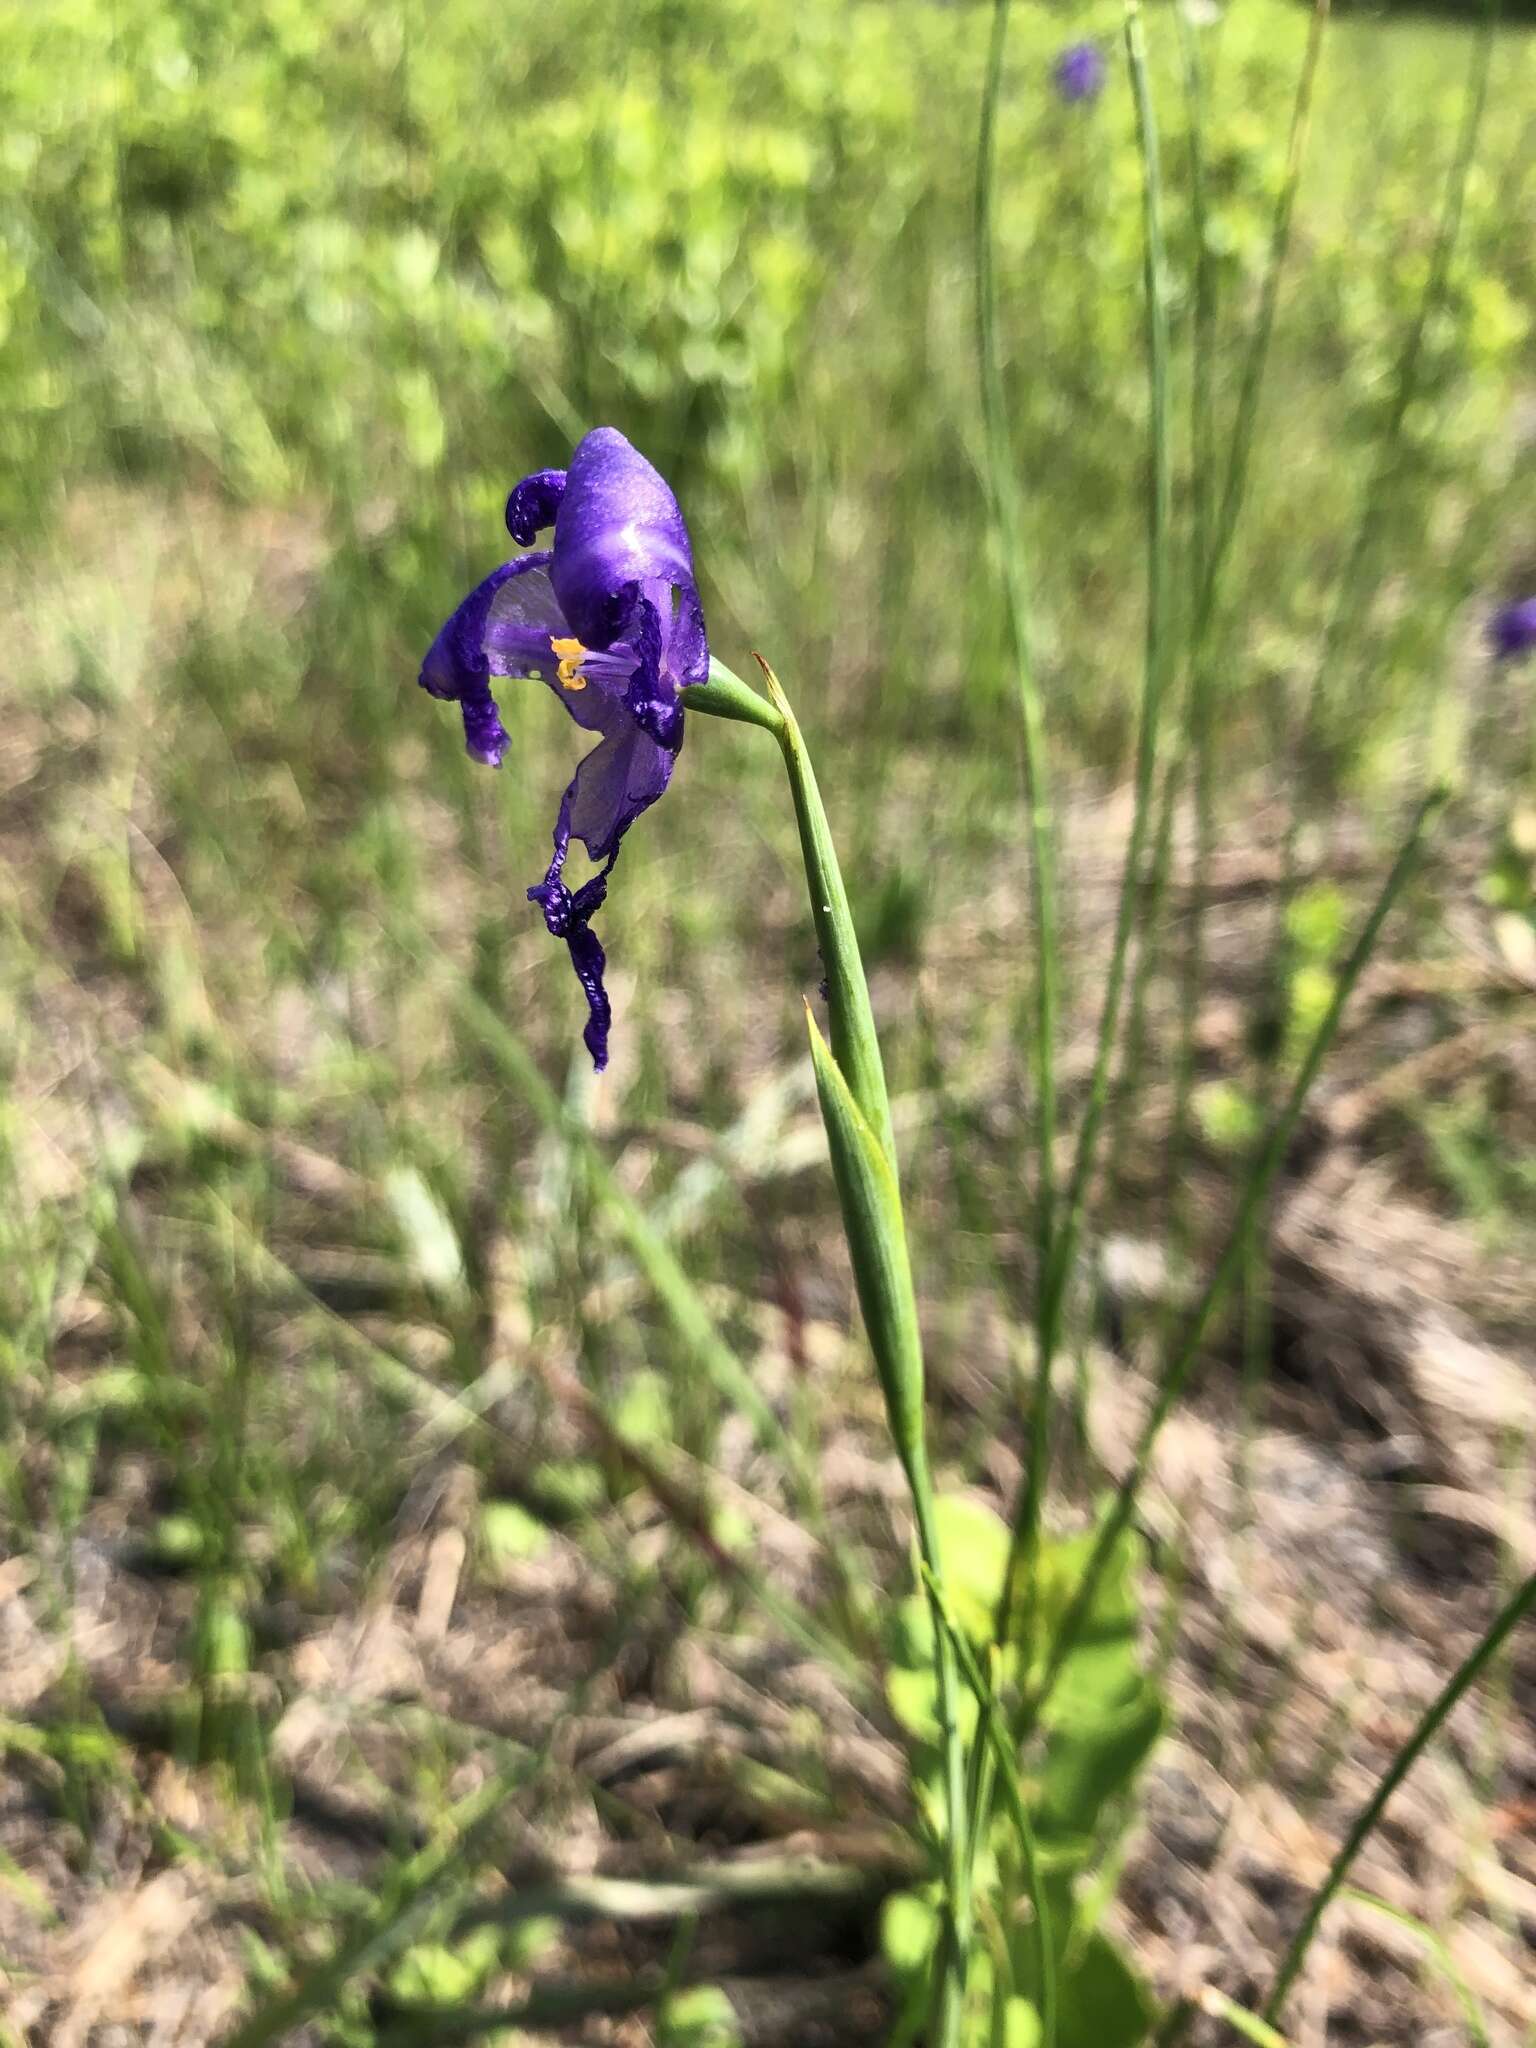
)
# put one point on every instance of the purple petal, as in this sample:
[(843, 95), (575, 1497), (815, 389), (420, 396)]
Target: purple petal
[(651, 697), (569, 917), (614, 784), (618, 526), (686, 652), (1512, 629), (485, 737), (523, 616), (456, 668), (533, 504), (589, 960), (456, 657)]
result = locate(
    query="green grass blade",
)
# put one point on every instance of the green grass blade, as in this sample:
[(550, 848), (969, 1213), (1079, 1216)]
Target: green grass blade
[(1255, 1189), (411, 1897), (1513, 1612), (1439, 1955), (1256, 361), (650, 1251), (1360, 577), (1240, 2020), (1211, 556)]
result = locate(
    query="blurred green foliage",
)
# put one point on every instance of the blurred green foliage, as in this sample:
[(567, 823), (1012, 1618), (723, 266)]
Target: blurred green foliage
[(299, 248), (325, 277)]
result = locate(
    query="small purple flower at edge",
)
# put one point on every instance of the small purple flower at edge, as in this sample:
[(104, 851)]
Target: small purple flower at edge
[(1079, 72), (609, 617), (1512, 629)]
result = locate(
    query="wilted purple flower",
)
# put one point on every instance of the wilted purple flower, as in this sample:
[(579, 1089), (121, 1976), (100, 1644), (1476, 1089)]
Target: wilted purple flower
[(1512, 629), (1079, 72), (609, 617)]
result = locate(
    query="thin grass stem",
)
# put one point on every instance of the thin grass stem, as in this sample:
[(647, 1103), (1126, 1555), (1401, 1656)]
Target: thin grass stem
[(1514, 1610), (1357, 584), (1159, 647), (1211, 556), (1255, 1190), (1256, 362), (1004, 504)]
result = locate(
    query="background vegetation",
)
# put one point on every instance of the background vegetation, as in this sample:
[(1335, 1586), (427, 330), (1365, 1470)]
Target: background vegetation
[(383, 1554)]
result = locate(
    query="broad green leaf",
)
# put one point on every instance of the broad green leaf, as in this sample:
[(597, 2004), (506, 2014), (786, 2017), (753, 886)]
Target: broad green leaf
[(1103, 2003), (973, 1542), (509, 1533), (430, 1241), (700, 2018), (1100, 2000), (643, 1411), (433, 1973), (1092, 1761), (909, 1931)]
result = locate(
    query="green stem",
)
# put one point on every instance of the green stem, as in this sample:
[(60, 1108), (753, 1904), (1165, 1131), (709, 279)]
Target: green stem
[(857, 1112), (1471, 1667), (1005, 1759), (855, 1046)]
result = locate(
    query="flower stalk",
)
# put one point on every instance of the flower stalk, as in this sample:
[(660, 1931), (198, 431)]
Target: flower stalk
[(856, 1110)]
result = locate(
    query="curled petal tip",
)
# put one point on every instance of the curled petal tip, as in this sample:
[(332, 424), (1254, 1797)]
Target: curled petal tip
[(533, 504)]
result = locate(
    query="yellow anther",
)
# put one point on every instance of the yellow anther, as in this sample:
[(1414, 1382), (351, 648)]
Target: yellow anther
[(571, 653)]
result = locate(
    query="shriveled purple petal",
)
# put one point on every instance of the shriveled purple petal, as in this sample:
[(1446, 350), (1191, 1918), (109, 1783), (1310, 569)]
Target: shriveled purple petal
[(1512, 629), (533, 505), (485, 737), (651, 698), (589, 960), (619, 534), (569, 916)]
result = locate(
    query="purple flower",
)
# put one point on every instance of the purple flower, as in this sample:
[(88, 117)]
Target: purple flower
[(609, 617), (1079, 72), (1512, 629)]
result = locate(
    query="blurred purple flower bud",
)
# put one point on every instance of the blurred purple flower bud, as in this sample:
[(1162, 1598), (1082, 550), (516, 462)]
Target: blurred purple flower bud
[(1079, 72), (1512, 629)]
